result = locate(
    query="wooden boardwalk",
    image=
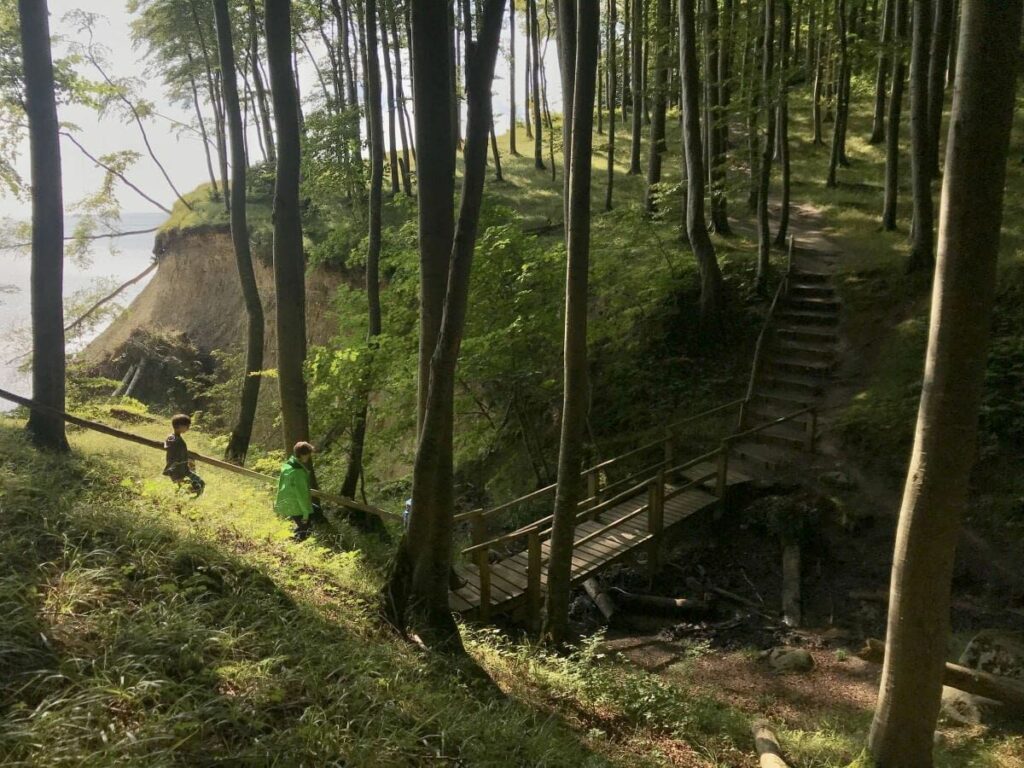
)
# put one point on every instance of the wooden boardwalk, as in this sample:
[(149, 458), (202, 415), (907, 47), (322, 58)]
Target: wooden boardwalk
[(606, 537)]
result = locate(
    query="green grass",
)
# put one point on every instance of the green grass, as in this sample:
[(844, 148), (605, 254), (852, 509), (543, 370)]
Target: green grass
[(146, 628)]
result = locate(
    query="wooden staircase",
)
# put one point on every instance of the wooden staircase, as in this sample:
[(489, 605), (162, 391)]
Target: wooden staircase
[(795, 358)]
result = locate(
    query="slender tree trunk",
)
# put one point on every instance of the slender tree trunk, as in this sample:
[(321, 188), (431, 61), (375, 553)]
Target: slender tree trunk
[(528, 74), (785, 26), (819, 76), (941, 36), (637, 87), (404, 131), (892, 136), (953, 44), (754, 38), (696, 228), (212, 85), (203, 135), (238, 444), (289, 259), (579, 30), (627, 98), (538, 131), (936, 490), (47, 274), (375, 121), (257, 83), (417, 591), (765, 169), (881, 76), (389, 81), (714, 47), (922, 239), (513, 150), (612, 16), (656, 147), (840, 91)]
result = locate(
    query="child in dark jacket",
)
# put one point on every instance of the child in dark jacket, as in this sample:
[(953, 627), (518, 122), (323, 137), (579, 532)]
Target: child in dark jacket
[(180, 468)]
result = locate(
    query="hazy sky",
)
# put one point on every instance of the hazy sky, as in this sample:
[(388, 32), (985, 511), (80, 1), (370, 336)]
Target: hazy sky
[(181, 152)]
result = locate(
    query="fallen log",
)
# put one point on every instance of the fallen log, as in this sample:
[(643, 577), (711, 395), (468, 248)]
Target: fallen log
[(120, 434), (681, 606), (600, 598), (769, 752), (732, 597), (1005, 689)]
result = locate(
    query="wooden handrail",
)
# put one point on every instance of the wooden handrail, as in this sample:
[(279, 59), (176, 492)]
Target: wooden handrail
[(693, 483), (120, 434), (761, 427), (692, 462)]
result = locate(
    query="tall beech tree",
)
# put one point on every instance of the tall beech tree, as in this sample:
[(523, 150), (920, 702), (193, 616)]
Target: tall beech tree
[(417, 590), (942, 33), (637, 85), (693, 158), (289, 259), (512, 78), (375, 129), (902, 733), (842, 97), (882, 73), (579, 26), (767, 149), (785, 31), (47, 273), (892, 134), (535, 72), (241, 434), (656, 145), (610, 35), (716, 68), (922, 242)]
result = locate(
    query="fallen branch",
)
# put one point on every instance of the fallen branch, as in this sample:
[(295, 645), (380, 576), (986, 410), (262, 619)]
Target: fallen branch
[(1004, 689), (109, 297), (768, 750), (120, 434), (657, 604), (732, 597), (87, 238)]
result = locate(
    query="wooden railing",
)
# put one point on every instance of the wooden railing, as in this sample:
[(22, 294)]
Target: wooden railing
[(766, 329), (658, 493)]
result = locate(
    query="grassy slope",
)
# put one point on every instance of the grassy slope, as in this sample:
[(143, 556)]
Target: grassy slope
[(142, 627)]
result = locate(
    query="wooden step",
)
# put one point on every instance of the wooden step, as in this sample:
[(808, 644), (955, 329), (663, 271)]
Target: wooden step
[(803, 349), (787, 400), (812, 289), (759, 456), (818, 335), (808, 317), (801, 276), (794, 382), (796, 364), (790, 434), (812, 303)]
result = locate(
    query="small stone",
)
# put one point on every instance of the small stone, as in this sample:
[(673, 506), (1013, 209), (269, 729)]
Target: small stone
[(996, 651), (785, 659), (838, 479)]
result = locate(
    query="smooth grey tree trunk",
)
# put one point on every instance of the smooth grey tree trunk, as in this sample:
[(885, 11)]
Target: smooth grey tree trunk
[(882, 74), (636, 87), (241, 434), (47, 272), (579, 27), (922, 243), (892, 135), (937, 487), (764, 243), (612, 23), (656, 146), (942, 32), (289, 259)]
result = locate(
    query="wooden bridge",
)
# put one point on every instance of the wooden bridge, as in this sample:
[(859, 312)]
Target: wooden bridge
[(633, 501)]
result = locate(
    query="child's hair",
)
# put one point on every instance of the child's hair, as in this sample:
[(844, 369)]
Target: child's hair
[(303, 449), (181, 420)]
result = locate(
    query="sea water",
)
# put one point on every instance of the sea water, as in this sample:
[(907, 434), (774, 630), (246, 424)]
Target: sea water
[(109, 263)]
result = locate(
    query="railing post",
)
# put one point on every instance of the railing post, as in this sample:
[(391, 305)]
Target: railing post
[(533, 579), (723, 472), (669, 450), (477, 526), (812, 430), (483, 564), (743, 415), (655, 521), (593, 491)]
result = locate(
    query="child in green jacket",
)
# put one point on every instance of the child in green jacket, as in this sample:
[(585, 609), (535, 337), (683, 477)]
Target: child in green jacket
[(294, 499)]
